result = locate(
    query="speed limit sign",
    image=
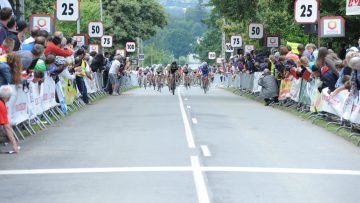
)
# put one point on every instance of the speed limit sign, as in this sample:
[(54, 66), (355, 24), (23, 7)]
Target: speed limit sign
[(107, 41), (67, 10), (212, 55), (256, 31), (236, 41), (229, 48), (306, 11), (96, 29), (130, 47)]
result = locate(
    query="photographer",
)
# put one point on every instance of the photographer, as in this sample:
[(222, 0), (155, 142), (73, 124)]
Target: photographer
[(269, 89), (81, 67)]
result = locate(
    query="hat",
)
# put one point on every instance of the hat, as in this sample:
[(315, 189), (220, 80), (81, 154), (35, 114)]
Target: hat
[(59, 60)]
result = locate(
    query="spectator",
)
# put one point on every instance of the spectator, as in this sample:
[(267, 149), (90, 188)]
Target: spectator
[(301, 50), (5, 94), (5, 17), (114, 73), (7, 47), (82, 67), (27, 57), (14, 61), (249, 64), (283, 50), (13, 33), (28, 44), (21, 27), (54, 47), (358, 44), (269, 89), (354, 63), (313, 53), (291, 55), (327, 77), (97, 64), (325, 59), (342, 52), (41, 40)]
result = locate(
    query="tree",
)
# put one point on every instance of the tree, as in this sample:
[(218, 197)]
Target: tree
[(211, 40), (154, 55), (134, 18)]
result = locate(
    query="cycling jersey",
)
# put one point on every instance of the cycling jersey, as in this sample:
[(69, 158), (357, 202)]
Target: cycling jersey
[(146, 71), (173, 69), (205, 71)]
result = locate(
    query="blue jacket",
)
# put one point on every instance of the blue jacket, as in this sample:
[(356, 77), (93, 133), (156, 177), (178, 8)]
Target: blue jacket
[(5, 75)]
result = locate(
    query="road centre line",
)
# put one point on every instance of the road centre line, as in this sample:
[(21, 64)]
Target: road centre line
[(194, 120), (201, 189), (205, 150), (189, 107), (189, 135), (225, 169)]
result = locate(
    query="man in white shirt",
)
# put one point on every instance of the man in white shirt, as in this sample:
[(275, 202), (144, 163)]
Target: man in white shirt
[(28, 44), (113, 74)]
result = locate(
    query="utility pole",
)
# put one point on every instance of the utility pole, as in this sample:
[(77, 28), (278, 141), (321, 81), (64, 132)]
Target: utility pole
[(223, 47), (101, 11)]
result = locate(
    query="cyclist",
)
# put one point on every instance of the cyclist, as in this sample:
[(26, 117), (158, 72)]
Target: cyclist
[(205, 73), (173, 70), (158, 76), (140, 76), (185, 71)]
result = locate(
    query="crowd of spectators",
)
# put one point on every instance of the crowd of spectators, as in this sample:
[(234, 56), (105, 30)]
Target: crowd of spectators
[(336, 71), (29, 54)]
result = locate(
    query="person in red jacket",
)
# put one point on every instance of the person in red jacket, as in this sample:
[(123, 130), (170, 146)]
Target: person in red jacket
[(54, 47)]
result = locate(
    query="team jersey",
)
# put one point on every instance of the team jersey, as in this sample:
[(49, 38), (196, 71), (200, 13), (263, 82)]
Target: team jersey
[(204, 70)]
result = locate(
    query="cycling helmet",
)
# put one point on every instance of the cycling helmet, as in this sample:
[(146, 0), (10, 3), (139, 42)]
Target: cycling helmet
[(59, 60)]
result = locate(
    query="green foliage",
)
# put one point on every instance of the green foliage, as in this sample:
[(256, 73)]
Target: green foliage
[(124, 19), (153, 55), (211, 40), (134, 18), (278, 18), (182, 31)]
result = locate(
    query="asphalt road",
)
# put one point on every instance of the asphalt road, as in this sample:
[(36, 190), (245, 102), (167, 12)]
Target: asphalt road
[(150, 147)]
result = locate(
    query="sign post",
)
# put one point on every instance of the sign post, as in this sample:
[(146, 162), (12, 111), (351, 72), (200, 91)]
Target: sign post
[(236, 41), (352, 7), (96, 29), (306, 11), (67, 10), (130, 47), (256, 31), (332, 26), (106, 41), (212, 55)]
